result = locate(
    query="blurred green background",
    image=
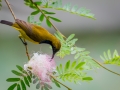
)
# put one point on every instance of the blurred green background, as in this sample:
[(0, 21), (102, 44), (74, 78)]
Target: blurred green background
[(96, 36)]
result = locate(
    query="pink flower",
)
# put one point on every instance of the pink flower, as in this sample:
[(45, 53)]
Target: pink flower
[(40, 65)]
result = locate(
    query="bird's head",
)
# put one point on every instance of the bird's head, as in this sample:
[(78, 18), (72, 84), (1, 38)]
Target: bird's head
[(56, 45), (54, 51)]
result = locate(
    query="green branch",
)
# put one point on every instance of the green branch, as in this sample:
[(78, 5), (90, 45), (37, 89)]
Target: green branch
[(106, 68)]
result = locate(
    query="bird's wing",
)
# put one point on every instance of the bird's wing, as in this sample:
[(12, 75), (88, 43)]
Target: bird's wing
[(27, 28), (24, 26)]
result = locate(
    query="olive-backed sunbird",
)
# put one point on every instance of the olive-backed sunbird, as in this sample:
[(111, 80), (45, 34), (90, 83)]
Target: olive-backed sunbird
[(35, 34)]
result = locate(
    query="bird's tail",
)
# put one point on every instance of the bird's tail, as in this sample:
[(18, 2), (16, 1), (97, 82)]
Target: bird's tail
[(6, 22)]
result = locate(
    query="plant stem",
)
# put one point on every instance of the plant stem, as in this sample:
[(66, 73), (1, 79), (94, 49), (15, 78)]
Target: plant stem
[(106, 68), (59, 81), (8, 4), (26, 48), (47, 18)]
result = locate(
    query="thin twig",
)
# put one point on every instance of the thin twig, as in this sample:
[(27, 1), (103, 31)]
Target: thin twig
[(106, 68), (10, 9), (26, 48), (47, 18), (8, 4), (59, 81)]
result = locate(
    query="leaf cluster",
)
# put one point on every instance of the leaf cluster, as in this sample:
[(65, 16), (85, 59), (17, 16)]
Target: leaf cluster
[(20, 82), (109, 58), (24, 79), (73, 72), (68, 47), (81, 54), (57, 4), (67, 44), (42, 15)]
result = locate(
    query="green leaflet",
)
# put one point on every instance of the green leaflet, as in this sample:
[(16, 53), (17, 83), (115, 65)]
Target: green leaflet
[(41, 17), (27, 0), (67, 7), (12, 86), (79, 66), (105, 55), (48, 23), (23, 85), (72, 42), (67, 65), (73, 64), (56, 83), (13, 79), (29, 78), (77, 56), (87, 78), (46, 88), (35, 12), (38, 86), (102, 57), (109, 54), (109, 58), (59, 36), (55, 19), (17, 73), (26, 81), (59, 71), (60, 68), (46, 12), (32, 6), (35, 80), (18, 87), (74, 8), (46, 5), (70, 37), (47, 85), (115, 53), (20, 68), (38, 3)]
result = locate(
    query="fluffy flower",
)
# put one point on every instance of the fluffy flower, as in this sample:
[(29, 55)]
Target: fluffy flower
[(40, 65)]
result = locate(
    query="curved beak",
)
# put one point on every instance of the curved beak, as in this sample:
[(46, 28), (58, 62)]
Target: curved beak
[(53, 54)]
